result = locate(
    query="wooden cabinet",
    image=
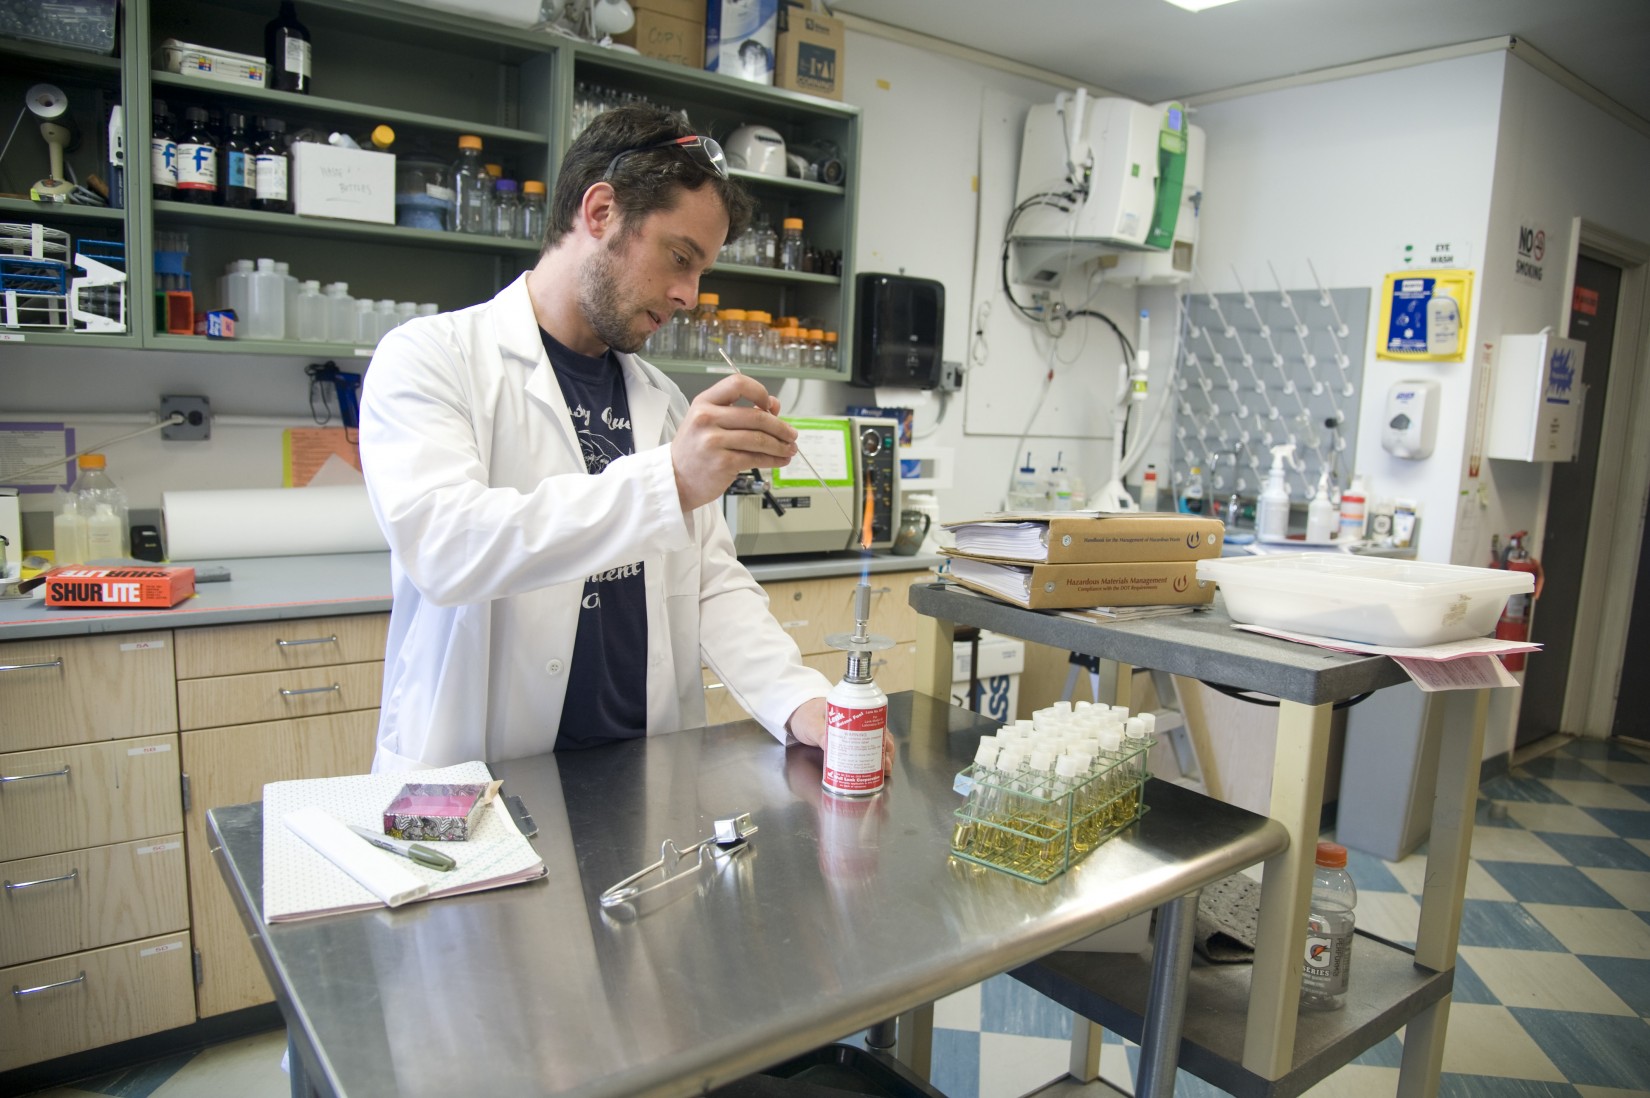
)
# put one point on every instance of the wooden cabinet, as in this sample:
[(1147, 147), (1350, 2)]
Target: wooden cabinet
[(812, 609), (114, 921), (93, 911), (230, 766), (265, 702)]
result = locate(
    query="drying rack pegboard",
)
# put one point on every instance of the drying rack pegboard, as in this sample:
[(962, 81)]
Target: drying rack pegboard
[(1258, 370)]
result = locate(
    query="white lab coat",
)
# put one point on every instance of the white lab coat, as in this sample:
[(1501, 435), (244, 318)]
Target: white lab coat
[(476, 477)]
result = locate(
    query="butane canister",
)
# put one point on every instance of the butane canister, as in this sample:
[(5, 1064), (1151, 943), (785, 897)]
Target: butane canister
[(856, 712)]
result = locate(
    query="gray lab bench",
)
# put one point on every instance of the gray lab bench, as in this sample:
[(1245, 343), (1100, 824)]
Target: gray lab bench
[(1244, 1032), (840, 915), (275, 588)]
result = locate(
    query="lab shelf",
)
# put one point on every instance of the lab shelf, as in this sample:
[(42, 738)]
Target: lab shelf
[(182, 213), (772, 274), (798, 186), (289, 104), (290, 348), (54, 60), (81, 340), (701, 366), (1387, 989), (13, 209)]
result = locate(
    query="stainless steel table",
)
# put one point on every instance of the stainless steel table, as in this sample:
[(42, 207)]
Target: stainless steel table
[(841, 914), (1244, 1031)]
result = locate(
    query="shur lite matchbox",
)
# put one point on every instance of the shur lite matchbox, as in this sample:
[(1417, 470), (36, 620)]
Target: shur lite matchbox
[(84, 586)]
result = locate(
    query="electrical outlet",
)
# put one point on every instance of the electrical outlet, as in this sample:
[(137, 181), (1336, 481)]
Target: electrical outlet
[(197, 418)]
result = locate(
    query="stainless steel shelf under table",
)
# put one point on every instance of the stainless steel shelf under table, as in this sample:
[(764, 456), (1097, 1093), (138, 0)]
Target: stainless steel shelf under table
[(1268, 1049), (841, 914)]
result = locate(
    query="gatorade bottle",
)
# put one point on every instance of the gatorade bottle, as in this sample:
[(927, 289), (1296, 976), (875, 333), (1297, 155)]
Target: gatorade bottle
[(1329, 932)]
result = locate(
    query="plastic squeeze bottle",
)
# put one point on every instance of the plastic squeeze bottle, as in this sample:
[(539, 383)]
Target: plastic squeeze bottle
[(1148, 489), (1329, 932), (1320, 513), (1353, 502), (1272, 520)]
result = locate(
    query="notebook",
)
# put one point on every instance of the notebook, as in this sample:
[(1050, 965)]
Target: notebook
[(302, 880)]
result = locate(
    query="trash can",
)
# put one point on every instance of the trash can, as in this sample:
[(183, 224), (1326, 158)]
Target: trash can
[(1001, 659), (1389, 774)]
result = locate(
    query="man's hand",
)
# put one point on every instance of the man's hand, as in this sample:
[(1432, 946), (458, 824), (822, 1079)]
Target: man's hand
[(720, 438), (808, 725)]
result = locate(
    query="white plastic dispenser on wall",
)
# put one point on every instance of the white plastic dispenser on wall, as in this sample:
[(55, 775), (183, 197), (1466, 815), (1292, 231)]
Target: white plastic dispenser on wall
[(1535, 411), (1272, 516), (1410, 427)]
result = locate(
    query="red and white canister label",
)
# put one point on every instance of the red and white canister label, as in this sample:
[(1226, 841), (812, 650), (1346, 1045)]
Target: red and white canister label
[(853, 750)]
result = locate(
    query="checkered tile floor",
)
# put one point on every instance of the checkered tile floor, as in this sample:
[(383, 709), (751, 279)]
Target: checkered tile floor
[(1552, 986), (1552, 990)]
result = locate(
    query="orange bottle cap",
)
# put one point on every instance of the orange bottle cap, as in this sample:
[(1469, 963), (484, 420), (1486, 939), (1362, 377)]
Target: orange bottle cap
[(469, 141), (733, 314), (710, 299), (92, 461), (830, 337), (793, 223), (532, 186), (496, 170), (1332, 855)]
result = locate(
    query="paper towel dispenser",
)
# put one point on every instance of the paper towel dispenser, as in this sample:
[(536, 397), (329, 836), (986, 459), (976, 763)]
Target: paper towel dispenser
[(899, 324)]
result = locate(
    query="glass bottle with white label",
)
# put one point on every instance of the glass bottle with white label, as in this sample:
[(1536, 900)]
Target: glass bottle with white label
[(271, 186), (287, 51)]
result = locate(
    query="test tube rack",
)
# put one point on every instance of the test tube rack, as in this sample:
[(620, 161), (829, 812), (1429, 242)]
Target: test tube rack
[(1026, 825)]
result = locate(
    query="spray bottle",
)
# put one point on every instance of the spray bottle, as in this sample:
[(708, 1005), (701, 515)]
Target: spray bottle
[(856, 711), (1272, 519), (1320, 513)]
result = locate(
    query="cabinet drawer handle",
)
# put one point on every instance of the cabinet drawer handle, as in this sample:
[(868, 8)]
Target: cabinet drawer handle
[(334, 688), (22, 991), (12, 886), (716, 686), (6, 779), (58, 662), (279, 643)]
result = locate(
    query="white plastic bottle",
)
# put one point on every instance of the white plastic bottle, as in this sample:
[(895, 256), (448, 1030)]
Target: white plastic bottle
[(340, 313), (1272, 518), (366, 321), (1354, 502), (103, 506), (290, 285), (1320, 513), (68, 530), (388, 318), (1148, 489), (1443, 323), (310, 313), (1026, 487), (236, 292), (1328, 961), (268, 304)]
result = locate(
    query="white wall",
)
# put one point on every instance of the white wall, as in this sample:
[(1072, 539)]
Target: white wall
[(1343, 174)]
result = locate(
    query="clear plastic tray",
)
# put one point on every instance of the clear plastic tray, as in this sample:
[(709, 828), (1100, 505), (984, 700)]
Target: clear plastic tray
[(1375, 600)]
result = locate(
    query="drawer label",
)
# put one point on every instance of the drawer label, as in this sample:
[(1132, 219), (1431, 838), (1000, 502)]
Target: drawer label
[(142, 646), (149, 749), (164, 947), (159, 848), (799, 624)]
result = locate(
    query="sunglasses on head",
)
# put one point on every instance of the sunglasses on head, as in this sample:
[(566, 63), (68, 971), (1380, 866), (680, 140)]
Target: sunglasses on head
[(703, 151)]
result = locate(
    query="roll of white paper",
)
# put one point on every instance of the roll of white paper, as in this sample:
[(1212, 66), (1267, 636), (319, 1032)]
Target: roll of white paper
[(269, 522)]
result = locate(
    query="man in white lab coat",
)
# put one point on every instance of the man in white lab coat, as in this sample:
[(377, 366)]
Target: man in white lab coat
[(559, 559)]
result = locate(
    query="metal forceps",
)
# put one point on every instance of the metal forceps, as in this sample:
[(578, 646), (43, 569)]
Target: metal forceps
[(729, 838)]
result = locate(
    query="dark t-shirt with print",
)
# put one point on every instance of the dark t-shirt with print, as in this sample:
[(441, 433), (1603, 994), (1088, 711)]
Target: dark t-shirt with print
[(607, 681)]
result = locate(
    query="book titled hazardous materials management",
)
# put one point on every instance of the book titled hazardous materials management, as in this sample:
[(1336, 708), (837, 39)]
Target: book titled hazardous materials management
[(84, 586), (1090, 537)]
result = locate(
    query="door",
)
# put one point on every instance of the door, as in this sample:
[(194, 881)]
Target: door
[(1569, 509)]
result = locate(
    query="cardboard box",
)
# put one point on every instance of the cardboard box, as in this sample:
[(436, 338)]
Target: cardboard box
[(808, 51), (431, 812), (207, 63), (82, 586), (345, 184), (667, 37), (739, 38), (692, 11), (1090, 537), (1079, 586), (1001, 659)]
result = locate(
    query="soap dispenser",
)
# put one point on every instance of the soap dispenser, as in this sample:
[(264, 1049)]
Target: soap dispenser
[(1272, 517)]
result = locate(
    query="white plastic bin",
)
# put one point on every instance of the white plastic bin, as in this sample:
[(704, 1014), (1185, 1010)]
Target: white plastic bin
[(1001, 661), (1373, 600)]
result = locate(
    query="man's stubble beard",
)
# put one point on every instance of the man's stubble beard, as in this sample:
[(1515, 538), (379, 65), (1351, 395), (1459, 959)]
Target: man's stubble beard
[(600, 299)]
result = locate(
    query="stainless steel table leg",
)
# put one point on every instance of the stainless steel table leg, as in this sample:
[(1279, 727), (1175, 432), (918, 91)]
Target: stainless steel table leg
[(914, 1041), (884, 1035), (1166, 1000), (297, 1076)]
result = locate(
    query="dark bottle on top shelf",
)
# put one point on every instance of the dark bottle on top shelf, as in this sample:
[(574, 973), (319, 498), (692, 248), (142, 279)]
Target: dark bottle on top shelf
[(163, 154), (287, 50), (197, 159), (239, 171), (274, 193)]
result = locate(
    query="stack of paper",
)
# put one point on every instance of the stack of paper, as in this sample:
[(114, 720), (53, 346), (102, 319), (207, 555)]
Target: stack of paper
[(302, 880)]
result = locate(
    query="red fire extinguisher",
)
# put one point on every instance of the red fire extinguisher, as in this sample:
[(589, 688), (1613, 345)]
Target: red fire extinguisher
[(1515, 619)]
